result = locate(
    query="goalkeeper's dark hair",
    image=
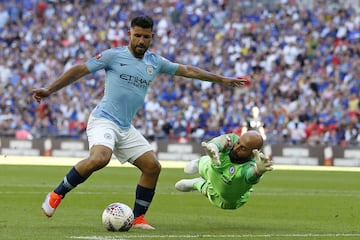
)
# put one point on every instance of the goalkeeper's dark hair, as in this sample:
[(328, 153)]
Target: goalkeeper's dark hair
[(142, 21)]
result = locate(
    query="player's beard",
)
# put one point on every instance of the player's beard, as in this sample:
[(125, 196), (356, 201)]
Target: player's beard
[(139, 50), (234, 158)]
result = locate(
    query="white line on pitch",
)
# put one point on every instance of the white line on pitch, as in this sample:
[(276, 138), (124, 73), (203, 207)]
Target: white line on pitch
[(215, 236)]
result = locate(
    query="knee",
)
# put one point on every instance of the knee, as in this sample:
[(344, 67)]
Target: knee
[(97, 161), (148, 164), (154, 168)]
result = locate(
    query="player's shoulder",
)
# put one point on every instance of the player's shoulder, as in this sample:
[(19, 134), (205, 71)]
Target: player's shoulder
[(111, 54), (120, 49), (233, 137), (153, 58), (152, 55), (231, 134), (228, 139)]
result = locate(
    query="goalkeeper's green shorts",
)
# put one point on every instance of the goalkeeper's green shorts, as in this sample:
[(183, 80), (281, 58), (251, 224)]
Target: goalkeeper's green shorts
[(207, 189)]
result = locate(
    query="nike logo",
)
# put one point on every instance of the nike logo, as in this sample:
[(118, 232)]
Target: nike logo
[(123, 64)]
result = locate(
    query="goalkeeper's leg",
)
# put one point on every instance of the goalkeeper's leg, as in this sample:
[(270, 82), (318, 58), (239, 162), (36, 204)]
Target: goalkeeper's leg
[(202, 187), (192, 167), (187, 185), (205, 188)]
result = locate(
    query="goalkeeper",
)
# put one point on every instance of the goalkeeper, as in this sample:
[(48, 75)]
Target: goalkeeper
[(228, 172)]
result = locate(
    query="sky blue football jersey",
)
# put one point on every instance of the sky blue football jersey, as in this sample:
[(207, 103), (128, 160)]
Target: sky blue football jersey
[(127, 80)]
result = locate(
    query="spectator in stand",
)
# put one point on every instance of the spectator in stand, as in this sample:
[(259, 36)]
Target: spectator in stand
[(297, 134), (4, 16)]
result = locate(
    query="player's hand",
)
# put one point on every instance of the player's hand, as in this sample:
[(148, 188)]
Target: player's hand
[(237, 82), (212, 151), (40, 93), (262, 162)]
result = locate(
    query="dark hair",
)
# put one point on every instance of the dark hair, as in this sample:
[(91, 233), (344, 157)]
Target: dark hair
[(142, 21)]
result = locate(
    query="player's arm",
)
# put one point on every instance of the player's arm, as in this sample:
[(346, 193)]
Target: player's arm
[(198, 73), (262, 165), (214, 146), (221, 142), (65, 79)]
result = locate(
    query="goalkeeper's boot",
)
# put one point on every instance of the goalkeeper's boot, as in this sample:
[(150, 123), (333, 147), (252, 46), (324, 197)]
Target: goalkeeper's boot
[(140, 222), (187, 185), (192, 167), (50, 203)]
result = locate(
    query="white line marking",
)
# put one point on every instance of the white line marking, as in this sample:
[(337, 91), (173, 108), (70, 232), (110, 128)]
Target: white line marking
[(217, 236)]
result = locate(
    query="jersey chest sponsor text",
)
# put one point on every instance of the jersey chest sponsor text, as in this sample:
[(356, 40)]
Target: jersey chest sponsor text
[(135, 81)]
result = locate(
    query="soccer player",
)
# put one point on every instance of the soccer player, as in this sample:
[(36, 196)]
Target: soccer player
[(129, 73), (228, 172)]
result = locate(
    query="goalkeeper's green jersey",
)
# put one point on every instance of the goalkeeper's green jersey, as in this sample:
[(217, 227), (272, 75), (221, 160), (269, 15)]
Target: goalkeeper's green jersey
[(227, 186)]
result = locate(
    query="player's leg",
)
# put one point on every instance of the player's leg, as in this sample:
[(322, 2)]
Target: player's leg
[(202, 186), (98, 159), (192, 167), (145, 189), (138, 151), (207, 171), (101, 141), (188, 185)]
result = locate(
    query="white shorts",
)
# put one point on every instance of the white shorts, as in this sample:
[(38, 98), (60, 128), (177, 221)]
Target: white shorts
[(127, 145)]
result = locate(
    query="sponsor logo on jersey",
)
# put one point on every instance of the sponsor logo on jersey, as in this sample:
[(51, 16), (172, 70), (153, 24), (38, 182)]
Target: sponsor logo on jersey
[(135, 81)]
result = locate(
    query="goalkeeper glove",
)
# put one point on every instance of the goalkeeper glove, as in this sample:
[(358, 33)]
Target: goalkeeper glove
[(212, 151), (262, 162)]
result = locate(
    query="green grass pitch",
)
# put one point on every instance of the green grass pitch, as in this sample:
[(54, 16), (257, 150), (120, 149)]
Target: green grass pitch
[(284, 205)]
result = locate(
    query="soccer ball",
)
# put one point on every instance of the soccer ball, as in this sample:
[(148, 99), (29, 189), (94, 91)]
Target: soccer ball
[(117, 217)]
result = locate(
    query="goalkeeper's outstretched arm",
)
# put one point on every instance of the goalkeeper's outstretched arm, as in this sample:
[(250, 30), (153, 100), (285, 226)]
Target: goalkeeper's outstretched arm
[(213, 147), (262, 165)]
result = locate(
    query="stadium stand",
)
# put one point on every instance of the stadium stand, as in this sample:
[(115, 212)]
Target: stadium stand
[(303, 59)]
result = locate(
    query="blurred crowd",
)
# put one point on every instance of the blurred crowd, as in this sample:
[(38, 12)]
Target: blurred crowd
[(304, 62)]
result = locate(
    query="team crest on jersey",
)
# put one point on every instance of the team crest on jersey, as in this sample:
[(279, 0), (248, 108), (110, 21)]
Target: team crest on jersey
[(98, 56), (107, 136), (149, 69), (232, 170)]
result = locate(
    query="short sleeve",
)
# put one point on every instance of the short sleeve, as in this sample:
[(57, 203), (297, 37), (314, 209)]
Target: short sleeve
[(100, 61), (167, 67)]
